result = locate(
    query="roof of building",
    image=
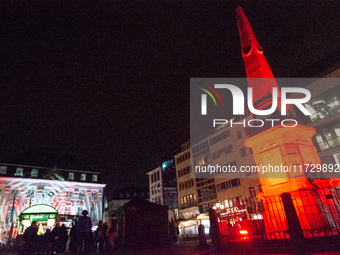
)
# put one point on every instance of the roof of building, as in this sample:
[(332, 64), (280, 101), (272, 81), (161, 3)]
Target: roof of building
[(125, 193)]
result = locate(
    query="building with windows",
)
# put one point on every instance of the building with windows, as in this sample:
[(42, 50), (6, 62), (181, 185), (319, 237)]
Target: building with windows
[(324, 107), (187, 192), (69, 192), (155, 186), (163, 185), (224, 147)]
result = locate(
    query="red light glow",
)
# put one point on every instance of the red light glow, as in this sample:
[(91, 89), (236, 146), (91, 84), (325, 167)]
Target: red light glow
[(243, 232)]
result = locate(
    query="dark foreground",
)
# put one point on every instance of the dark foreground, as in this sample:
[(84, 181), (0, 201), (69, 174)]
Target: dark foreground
[(181, 248)]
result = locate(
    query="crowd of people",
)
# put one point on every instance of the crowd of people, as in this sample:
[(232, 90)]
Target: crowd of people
[(79, 239)]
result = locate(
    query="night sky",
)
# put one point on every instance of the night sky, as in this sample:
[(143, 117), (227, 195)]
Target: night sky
[(108, 82)]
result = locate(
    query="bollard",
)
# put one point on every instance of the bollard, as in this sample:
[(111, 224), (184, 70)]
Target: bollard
[(294, 228)]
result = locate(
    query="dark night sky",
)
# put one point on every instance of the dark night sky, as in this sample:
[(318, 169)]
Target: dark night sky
[(108, 83)]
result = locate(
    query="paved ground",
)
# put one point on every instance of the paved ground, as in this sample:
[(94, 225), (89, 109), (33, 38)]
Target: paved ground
[(182, 248)]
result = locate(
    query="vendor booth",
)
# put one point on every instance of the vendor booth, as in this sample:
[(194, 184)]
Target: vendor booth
[(44, 214), (142, 224)]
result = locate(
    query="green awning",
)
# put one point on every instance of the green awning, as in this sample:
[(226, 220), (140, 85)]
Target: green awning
[(41, 209)]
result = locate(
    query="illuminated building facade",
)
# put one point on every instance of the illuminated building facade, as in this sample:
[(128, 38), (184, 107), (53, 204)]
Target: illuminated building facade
[(69, 192)]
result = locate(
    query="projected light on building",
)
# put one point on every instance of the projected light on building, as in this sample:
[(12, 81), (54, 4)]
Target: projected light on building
[(69, 192)]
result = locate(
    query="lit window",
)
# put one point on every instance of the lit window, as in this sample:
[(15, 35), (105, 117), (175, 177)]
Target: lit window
[(34, 173), (3, 169), (14, 192), (69, 195), (94, 196), (71, 176), (81, 195), (94, 178), (67, 210), (83, 177), (30, 193), (19, 171)]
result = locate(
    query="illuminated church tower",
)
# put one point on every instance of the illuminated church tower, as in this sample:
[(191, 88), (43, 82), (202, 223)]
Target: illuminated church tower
[(255, 64), (283, 148)]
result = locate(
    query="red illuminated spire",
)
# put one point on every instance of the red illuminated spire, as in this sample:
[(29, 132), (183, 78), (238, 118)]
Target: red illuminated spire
[(256, 64)]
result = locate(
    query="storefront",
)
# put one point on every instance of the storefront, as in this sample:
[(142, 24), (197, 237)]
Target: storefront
[(44, 214)]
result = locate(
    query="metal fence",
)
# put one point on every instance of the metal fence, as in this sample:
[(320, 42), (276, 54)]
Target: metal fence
[(317, 210)]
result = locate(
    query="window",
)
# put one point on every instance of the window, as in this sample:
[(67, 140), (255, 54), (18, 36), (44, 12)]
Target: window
[(250, 151), (94, 178), (67, 210), (69, 195), (83, 177), (3, 169), (80, 209), (71, 176), (159, 187), (30, 193), (14, 192), (94, 196), (34, 173), (81, 195), (157, 176), (222, 152), (243, 152), (260, 188), (219, 137), (151, 176), (151, 190), (252, 192), (9, 214), (19, 172)]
